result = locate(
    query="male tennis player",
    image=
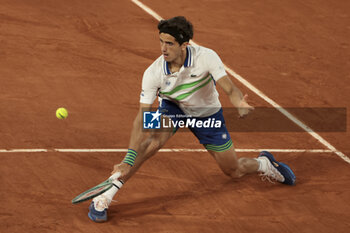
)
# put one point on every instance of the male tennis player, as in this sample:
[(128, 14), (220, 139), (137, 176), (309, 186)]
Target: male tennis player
[(185, 79)]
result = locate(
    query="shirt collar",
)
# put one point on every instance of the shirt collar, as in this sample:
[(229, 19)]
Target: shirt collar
[(166, 68), (188, 61), (189, 57)]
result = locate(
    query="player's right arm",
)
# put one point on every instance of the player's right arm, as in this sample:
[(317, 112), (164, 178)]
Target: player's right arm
[(150, 87), (137, 134), (136, 139)]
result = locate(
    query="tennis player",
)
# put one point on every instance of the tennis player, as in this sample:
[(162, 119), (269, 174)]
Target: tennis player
[(184, 78)]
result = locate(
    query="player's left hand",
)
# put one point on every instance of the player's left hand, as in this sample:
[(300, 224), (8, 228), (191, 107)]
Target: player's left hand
[(244, 108)]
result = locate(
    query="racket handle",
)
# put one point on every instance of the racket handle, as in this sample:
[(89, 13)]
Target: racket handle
[(115, 176)]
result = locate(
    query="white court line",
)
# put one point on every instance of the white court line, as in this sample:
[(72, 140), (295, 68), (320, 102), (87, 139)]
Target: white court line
[(147, 9), (161, 150), (22, 150), (262, 95)]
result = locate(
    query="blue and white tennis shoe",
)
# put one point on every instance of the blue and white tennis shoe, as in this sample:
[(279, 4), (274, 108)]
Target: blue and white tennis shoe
[(98, 209), (277, 170)]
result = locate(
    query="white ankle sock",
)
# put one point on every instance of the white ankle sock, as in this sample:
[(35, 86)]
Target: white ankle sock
[(262, 164)]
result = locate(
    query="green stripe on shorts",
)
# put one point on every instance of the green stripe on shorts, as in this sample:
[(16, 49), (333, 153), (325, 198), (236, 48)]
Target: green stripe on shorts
[(219, 148)]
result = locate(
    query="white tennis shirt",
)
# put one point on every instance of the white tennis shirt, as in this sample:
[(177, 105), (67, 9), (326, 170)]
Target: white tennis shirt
[(192, 88)]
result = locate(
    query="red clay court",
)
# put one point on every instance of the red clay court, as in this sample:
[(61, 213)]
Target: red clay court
[(89, 57)]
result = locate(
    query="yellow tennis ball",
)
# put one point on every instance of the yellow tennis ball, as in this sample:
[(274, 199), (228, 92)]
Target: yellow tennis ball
[(61, 113)]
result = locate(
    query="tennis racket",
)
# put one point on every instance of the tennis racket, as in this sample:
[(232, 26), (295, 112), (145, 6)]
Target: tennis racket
[(93, 192)]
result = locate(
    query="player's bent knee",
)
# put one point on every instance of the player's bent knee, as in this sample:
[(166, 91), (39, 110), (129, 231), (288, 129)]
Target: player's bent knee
[(232, 172), (227, 172)]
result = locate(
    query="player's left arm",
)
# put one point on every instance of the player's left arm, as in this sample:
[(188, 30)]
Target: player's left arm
[(217, 69), (235, 95)]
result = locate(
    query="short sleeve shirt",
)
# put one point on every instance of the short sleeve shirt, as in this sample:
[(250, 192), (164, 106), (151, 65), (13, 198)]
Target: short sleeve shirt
[(192, 87)]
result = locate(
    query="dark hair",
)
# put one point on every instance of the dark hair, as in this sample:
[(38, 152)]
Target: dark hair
[(179, 27)]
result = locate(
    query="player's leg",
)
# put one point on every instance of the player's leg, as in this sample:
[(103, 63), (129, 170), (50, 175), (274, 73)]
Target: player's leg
[(148, 148), (219, 144), (265, 164), (151, 145), (99, 205), (231, 165)]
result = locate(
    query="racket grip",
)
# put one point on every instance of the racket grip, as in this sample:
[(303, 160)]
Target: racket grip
[(115, 176)]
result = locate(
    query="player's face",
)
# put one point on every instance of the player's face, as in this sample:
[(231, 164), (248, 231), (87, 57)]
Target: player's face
[(170, 48)]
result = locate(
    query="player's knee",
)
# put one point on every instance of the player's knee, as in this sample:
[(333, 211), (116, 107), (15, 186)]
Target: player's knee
[(228, 166), (232, 172), (238, 170), (227, 172)]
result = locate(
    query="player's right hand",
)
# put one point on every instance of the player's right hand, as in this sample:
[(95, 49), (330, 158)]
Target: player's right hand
[(123, 168)]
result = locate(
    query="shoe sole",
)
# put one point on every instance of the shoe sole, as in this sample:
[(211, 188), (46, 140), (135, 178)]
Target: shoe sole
[(93, 217), (284, 169)]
